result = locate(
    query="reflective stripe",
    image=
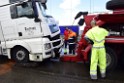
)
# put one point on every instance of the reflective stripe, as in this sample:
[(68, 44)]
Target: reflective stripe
[(96, 40), (99, 41), (71, 43), (70, 38), (102, 70), (93, 72), (99, 47)]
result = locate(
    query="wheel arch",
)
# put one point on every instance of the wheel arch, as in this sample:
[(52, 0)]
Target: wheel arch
[(11, 45), (16, 47), (17, 43)]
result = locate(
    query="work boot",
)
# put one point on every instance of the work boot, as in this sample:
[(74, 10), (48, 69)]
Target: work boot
[(65, 51), (93, 77), (103, 75)]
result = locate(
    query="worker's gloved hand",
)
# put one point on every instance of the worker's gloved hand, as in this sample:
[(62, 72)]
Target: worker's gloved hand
[(89, 40)]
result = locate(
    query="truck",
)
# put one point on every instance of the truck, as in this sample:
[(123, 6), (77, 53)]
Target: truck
[(114, 43), (27, 33)]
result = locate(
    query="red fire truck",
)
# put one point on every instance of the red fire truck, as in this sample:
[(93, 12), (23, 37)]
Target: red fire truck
[(114, 44)]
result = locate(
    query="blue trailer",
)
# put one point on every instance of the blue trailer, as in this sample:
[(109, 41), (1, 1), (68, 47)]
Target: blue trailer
[(74, 28)]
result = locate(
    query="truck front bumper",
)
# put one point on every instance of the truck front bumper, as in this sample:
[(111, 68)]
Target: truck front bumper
[(39, 57)]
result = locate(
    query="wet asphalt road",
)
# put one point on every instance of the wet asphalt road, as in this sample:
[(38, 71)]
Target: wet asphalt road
[(52, 72)]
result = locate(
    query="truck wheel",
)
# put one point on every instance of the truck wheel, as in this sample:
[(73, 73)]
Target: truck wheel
[(115, 4), (20, 55), (111, 59)]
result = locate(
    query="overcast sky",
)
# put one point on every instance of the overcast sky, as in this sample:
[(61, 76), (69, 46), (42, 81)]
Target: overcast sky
[(65, 10)]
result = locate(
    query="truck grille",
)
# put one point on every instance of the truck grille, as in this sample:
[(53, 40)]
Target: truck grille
[(55, 37), (56, 43)]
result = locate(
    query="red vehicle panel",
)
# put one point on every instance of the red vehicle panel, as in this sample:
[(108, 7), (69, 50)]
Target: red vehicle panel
[(114, 44)]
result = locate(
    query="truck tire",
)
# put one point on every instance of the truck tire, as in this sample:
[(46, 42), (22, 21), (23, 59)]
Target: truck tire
[(111, 59), (20, 55), (115, 4)]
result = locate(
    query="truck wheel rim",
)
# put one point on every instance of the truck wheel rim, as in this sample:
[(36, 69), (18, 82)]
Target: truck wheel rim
[(20, 55), (108, 59)]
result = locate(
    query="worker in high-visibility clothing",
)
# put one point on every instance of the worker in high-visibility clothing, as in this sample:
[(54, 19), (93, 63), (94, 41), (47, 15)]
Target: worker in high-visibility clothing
[(96, 35), (72, 41)]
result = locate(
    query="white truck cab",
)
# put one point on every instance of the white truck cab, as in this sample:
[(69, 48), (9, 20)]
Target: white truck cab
[(27, 33)]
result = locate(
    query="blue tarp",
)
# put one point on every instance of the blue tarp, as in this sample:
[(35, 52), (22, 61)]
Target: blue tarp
[(74, 28)]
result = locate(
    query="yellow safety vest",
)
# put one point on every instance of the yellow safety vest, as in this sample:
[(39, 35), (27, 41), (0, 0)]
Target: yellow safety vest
[(97, 35)]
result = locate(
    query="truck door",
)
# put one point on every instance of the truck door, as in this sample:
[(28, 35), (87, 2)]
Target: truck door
[(26, 26)]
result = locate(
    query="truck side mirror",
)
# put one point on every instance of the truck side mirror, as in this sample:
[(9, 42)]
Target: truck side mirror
[(80, 14), (81, 22), (37, 19), (24, 5), (44, 5)]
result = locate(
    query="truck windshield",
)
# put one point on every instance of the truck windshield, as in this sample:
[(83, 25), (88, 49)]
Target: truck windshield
[(51, 21)]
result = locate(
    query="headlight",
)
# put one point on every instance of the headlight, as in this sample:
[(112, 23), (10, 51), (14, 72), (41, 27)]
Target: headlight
[(47, 46)]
